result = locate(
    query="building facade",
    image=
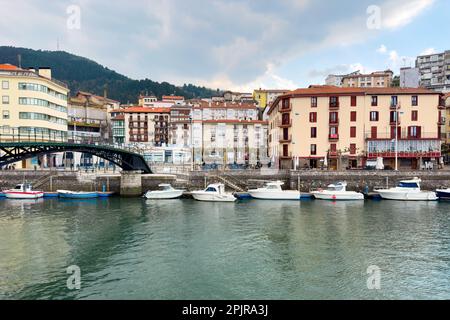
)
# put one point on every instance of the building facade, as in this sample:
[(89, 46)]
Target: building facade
[(326, 126), (409, 77), (264, 98), (33, 106), (378, 79), (435, 71)]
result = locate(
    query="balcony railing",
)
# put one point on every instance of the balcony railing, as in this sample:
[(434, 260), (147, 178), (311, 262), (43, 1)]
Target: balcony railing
[(334, 105), (394, 122), (333, 136), (403, 135), (333, 122), (285, 108), (441, 104), (441, 121), (395, 106), (286, 139), (287, 155), (286, 124)]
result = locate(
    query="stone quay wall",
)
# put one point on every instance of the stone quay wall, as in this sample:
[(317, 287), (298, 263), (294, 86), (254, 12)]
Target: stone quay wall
[(357, 180)]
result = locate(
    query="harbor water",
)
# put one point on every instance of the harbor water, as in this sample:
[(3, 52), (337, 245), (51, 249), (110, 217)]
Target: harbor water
[(183, 249)]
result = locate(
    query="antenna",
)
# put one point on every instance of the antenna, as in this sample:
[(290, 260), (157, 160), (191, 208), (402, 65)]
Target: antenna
[(19, 59)]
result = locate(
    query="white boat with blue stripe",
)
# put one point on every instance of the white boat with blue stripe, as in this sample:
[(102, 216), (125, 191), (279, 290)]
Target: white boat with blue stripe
[(407, 190)]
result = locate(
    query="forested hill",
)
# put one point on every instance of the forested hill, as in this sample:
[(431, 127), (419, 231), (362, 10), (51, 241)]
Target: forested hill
[(83, 74)]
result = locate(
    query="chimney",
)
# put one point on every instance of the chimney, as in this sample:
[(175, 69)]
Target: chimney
[(32, 69), (45, 72)]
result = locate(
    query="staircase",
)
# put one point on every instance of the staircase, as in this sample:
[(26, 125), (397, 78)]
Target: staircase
[(43, 180), (229, 183)]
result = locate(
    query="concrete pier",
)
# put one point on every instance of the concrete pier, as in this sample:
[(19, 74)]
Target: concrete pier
[(131, 183)]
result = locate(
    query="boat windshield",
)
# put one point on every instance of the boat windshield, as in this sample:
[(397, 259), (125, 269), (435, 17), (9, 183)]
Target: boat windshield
[(333, 187), (408, 185), (18, 187), (165, 188), (211, 189), (272, 187)]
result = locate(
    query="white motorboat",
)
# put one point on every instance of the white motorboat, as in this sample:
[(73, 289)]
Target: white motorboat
[(166, 192), (337, 191), (23, 191), (273, 191), (214, 192), (407, 190)]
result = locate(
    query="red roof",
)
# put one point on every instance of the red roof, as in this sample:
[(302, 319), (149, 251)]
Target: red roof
[(171, 98), (8, 66), (325, 90), (145, 110), (118, 117)]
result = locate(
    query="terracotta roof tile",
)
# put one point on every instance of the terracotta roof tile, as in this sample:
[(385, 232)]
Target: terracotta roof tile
[(141, 109)]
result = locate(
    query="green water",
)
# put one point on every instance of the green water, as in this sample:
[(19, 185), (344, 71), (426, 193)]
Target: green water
[(183, 249)]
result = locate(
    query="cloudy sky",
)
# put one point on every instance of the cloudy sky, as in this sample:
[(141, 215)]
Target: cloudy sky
[(233, 44)]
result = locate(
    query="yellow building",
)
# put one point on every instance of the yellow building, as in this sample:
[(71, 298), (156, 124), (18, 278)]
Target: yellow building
[(375, 79), (346, 127), (266, 97), (33, 106), (446, 103)]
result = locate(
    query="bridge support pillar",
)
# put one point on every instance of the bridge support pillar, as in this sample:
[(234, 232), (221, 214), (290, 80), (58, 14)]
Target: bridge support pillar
[(131, 183)]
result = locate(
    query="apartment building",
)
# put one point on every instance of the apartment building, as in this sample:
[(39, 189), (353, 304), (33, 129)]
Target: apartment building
[(181, 126), (89, 116), (446, 102), (435, 71), (328, 126), (409, 77), (228, 133), (33, 106), (378, 79), (264, 97), (146, 125), (118, 129)]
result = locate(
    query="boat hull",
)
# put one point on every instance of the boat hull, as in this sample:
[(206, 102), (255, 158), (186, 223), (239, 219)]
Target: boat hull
[(153, 195), (77, 195), (278, 195), (443, 194), (24, 195), (208, 196), (408, 196), (338, 196)]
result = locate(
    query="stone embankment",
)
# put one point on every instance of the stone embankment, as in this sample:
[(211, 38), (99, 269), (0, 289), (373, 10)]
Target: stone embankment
[(134, 184)]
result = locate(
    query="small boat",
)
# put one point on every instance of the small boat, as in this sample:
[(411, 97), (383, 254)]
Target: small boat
[(105, 194), (272, 191), (337, 191), (77, 194), (214, 192), (2, 194), (50, 194), (166, 192), (23, 191), (443, 194), (407, 190)]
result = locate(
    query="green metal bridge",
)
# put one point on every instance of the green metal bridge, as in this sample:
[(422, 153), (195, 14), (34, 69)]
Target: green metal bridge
[(21, 148)]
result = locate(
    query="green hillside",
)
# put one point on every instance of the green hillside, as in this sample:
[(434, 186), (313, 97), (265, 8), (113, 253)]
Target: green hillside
[(83, 74)]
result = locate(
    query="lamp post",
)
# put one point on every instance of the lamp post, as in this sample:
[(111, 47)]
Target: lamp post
[(192, 144)]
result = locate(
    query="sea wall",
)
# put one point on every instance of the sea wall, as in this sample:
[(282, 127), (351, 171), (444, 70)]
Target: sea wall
[(356, 180)]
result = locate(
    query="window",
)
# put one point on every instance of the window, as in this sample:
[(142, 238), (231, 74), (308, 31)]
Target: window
[(373, 115), (414, 132), (5, 99), (394, 101), (393, 116), (353, 148), (313, 149), (5, 114), (353, 116), (374, 101), (313, 102), (313, 117), (333, 147), (334, 132), (353, 101), (334, 117), (313, 132), (414, 115), (334, 102), (414, 101), (352, 132), (5, 85)]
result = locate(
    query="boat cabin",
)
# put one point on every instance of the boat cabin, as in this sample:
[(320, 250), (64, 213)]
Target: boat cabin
[(23, 187), (412, 184), (165, 187), (217, 188), (340, 186)]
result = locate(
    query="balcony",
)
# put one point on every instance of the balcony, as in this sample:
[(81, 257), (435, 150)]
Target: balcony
[(286, 124), (334, 123), (403, 135), (332, 153), (333, 137), (334, 105), (286, 139), (441, 121), (394, 122), (395, 106), (407, 148), (286, 156), (284, 109)]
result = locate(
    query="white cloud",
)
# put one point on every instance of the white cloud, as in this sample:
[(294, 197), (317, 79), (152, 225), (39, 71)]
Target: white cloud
[(428, 51), (382, 49), (397, 14)]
